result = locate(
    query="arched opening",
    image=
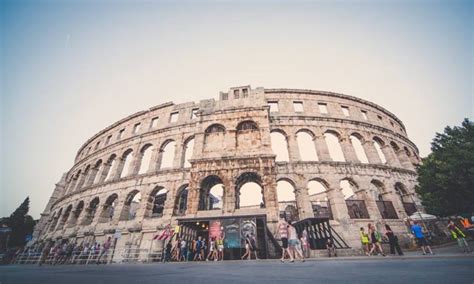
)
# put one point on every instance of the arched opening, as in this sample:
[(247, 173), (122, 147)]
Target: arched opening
[(91, 210), (211, 193), (287, 205), (167, 154), (214, 137), (317, 192), (334, 147), (131, 205), (306, 146), (181, 203), (188, 152), (156, 202), (82, 178), (386, 209), (356, 141), (65, 217), (279, 146), (76, 213), (127, 158), (378, 144), (145, 162), (248, 134), (95, 170), (355, 206), (55, 220), (76, 180), (407, 201), (108, 209), (110, 167), (249, 191)]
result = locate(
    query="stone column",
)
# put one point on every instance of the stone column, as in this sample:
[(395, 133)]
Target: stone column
[(92, 176), (178, 151), (348, 150), (305, 209), (80, 181), (136, 163), (270, 196), (337, 201), (105, 170), (391, 195), (293, 148), (371, 152), (229, 196), (321, 148), (390, 155), (155, 160)]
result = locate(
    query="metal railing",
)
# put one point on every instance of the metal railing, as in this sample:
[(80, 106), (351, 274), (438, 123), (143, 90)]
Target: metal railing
[(386, 209), (357, 209)]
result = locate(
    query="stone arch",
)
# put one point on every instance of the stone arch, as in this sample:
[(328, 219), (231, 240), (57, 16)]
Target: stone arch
[(286, 195), (307, 148), (56, 216), (156, 202), (126, 163), (144, 162), (65, 217), (378, 144), (167, 151), (91, 210), (378, 189), (75, 181), (214, 137), (109, 167), (77, 213), (188, 152), (383, 200), (349, 188), (280, 146), (95, 170), (249, 189), (211, 193), (333, 143), (131, 205), (357, 141), (82, 177), (108, 208), (318, 197), (181, 202), (405, 198), (247, 135)]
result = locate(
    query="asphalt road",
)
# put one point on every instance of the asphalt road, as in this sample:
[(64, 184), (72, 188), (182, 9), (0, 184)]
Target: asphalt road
[(374, 270)]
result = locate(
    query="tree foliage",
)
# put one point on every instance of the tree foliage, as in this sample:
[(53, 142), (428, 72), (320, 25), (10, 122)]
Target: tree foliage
[(20, 223), (446, 176)]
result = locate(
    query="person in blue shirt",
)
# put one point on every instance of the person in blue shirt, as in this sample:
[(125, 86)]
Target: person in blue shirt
[(420, 238)]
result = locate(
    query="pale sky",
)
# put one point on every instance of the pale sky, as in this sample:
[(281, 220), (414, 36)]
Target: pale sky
[(71, 68)]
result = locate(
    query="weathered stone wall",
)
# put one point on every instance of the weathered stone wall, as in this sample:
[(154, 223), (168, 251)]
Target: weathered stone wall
[(232, 152)]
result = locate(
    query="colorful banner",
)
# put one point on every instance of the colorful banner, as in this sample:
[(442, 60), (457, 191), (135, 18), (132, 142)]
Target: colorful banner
[(232, 233), (248, 226), (215, 229)]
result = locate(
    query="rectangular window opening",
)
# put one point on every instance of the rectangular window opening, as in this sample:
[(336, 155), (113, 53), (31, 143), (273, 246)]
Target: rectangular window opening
[(379, 117), (173, 117), (236, 94), (194, 113), (345, 110), (120, 134), (245, 93), (154, 122), (298, 106), (364, 114), (97, 145), (323, 108), (107, 141), (136, 128), (225, 96), (273, 106)]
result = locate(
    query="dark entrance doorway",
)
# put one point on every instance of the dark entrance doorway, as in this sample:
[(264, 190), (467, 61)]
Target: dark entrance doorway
[(232, 230)]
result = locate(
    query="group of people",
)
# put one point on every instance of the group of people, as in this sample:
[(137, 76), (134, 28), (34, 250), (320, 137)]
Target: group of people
[(195, 250), (73, 253), (293, 245)]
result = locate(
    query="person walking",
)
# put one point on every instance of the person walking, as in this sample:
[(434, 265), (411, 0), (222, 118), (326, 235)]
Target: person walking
[(393, 241), (375, 239), (364, 239), (283, 233), (253, 246), (417, 231), (305, 243), (212, 249), (247, 248), (198, 249), (105, 250), (184, 250), (458, 236), (294, 243), (220, 248)]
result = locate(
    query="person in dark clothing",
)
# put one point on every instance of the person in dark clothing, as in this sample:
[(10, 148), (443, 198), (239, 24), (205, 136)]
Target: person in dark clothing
[(393, 241), (168, 252)]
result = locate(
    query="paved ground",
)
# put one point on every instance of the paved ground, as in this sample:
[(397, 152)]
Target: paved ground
[(451, 269)]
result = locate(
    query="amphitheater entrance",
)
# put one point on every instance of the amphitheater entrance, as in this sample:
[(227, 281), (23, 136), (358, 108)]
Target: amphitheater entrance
[(231, 230)]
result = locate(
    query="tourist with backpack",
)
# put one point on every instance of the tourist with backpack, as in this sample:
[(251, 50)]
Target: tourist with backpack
[(375, 240)]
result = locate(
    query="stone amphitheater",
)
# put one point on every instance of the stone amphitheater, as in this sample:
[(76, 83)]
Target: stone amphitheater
[(250, 157)]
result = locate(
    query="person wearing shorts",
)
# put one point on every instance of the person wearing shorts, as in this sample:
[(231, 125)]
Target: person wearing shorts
[(294, 243), (220, 248), (283, 232), (420, 238)]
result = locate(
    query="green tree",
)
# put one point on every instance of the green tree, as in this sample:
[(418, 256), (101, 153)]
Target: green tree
[(21, 224), (446, 176)]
